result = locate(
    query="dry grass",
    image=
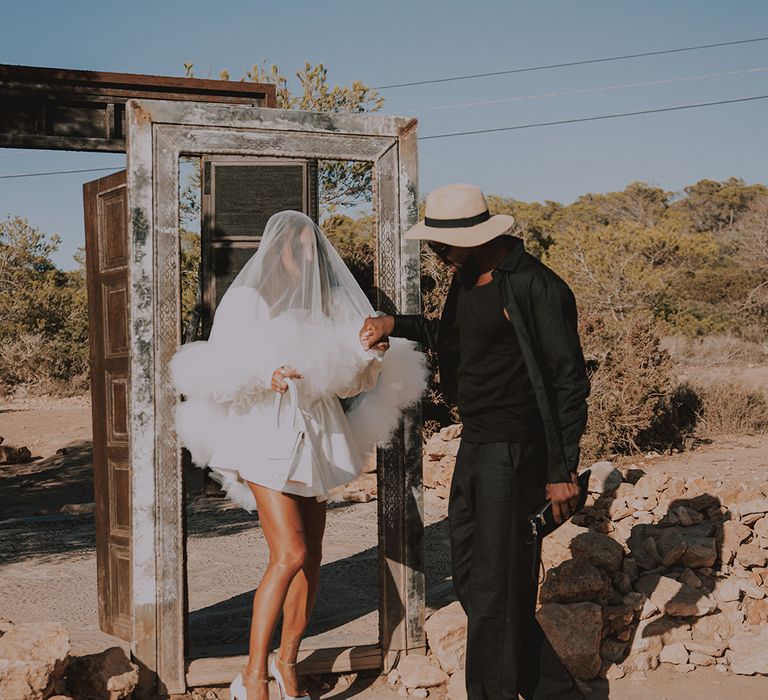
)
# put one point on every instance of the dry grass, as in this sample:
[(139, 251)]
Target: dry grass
[(714, 350), (732, 408)]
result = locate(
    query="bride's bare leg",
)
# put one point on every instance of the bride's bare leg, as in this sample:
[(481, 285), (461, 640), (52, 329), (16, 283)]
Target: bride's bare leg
[(281, 520), (302, 593)]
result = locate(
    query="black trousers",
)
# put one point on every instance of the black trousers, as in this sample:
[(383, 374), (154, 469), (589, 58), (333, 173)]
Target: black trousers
[(495, 487)]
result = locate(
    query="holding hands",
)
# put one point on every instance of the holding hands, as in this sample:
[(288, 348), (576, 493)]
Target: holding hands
[(374, 335)]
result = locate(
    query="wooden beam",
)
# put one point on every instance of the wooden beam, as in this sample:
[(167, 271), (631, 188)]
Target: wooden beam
[(221, 670), (73, 110)]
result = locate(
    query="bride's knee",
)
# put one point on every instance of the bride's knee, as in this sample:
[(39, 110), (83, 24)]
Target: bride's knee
[(291, 560)]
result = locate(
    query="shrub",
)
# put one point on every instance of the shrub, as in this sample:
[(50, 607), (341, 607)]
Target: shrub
[(729, 407)]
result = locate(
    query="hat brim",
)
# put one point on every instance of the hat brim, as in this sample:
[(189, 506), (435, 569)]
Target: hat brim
[(465, 237)]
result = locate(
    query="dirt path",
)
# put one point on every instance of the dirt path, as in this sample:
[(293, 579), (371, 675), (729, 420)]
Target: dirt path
[(48, 564)]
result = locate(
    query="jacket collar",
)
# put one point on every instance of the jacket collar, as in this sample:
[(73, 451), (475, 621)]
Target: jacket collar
[(511, 262)]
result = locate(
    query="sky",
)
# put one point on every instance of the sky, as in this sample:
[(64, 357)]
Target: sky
[(382, 43)]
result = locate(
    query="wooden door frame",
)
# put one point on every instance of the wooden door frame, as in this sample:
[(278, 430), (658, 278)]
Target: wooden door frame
[(158, 133)]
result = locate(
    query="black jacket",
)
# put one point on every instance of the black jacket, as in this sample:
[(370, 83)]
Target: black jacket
[(542, 310)]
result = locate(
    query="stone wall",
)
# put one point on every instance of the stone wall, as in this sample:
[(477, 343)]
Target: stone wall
[(656, 569)]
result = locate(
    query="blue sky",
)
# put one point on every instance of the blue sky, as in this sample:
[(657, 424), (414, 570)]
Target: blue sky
[(400, 41)]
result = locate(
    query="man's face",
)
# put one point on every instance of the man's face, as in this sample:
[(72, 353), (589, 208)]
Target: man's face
[(452, 256)]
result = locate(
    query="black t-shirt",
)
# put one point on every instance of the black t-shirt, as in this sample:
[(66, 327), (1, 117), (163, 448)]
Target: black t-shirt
[(495, 396)]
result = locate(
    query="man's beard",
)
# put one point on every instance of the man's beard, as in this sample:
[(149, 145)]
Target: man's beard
[(469, 272)]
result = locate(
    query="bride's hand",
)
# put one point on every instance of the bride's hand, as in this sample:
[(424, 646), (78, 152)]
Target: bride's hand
[(280, 375)]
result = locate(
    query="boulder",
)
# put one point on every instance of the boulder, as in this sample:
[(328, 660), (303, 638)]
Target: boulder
[(446, 632), (108, 675), (14, 455), (33, 659), (710, 648), (756, 506), (674, 654), (457, 686), (675, 598), (361, 490), (761, 527), (617, 618), (756, 611), (420, 672), (700, 552), (748, 654), (599, 550), (671, 546), (574, 631), (751, 554), (575, 582), (604, 478), (699, 659)]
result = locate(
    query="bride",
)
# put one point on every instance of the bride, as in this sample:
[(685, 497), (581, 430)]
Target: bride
[(284, 404)]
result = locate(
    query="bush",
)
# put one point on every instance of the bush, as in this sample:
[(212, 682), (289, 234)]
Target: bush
[(733, 408), (631, 381)]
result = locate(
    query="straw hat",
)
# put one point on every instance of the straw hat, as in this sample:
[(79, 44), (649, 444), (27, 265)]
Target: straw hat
[(458, 215)]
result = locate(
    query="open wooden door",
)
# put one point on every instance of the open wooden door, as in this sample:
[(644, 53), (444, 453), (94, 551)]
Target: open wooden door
[(106, 255)]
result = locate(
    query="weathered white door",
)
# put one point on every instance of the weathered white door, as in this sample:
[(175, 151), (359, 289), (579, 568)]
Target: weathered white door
[(158, 133)]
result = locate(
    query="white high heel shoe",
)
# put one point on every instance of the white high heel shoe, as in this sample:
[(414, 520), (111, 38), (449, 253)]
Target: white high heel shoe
[(237, 690), (281, 683)]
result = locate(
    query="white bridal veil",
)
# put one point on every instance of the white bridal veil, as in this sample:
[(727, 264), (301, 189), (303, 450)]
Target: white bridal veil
[(294, 303)]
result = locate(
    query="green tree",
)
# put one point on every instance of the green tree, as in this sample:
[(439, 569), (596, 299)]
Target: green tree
[(715, 206)]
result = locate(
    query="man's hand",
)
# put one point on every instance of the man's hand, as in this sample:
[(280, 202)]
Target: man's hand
[(375, 332), (280, 375), (564, 499)]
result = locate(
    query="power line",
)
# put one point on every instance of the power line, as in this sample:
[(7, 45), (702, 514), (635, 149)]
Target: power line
[(59, 172), (594, 118), (584, 91), (550, 66)]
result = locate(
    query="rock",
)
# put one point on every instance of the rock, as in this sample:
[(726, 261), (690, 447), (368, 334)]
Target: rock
[(671, 546), (77, 508), (575, 582), (451, 432), (749, 555), (457, 686), (699, 659), (751, 589), (33, 658), (710, 648), (617, 618), (643, 517), (619, 509), (756, 612), (599, 550), (446, 632), (14, 455), (613, 650), (685, 668), (690, 579), (393, 676), (361, 490), (604, 478), (574, 631), (700, 552), (761, 527), (108, 675), (674, 654), (638, 676), (675, 598), (759, 505), (614, 673), (749, 653), (419, 672), (419, 692), (622, 582), (437, 448), (727, 590)]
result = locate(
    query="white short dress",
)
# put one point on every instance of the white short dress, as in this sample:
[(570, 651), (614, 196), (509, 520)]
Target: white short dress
[(228, 415)]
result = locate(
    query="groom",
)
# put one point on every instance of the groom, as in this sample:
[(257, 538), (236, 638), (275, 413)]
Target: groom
[(510, 358)]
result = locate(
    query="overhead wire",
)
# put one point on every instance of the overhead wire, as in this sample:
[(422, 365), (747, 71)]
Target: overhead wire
[(584, 91), (59, 172), (531, 69), (598, 117)]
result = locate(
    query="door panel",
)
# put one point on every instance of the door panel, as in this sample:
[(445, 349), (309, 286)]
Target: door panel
[(106, 255)]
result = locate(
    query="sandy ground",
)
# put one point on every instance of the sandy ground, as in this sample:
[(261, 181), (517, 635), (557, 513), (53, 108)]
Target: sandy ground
[(48, 563)]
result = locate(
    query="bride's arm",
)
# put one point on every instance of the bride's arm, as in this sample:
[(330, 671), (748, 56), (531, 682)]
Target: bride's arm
[(364, 370)]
